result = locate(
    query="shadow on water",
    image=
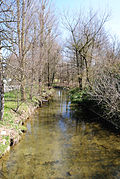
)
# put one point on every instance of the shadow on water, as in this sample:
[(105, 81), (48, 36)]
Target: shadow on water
[(63, 142)]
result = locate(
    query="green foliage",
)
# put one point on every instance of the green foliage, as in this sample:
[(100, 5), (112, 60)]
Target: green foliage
[(79, 96), (74, 90)]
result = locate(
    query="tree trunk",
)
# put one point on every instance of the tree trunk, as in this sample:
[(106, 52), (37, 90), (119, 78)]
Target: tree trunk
[(22, 89), (53, 77), (33, 71), (80, 82), (78, 71), (21, 45), (48, 72), (1, 86), (1, 97), (22, 53)]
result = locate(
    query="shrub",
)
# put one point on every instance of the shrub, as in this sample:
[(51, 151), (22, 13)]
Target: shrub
[(79, 96), (106, 90)]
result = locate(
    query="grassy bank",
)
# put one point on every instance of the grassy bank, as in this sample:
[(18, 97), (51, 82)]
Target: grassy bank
[(15, 114)]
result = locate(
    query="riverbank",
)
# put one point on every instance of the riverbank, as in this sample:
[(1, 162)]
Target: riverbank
[(95, 109), (12, 127)]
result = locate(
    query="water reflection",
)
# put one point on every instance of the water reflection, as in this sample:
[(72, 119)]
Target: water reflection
[(61, 143)]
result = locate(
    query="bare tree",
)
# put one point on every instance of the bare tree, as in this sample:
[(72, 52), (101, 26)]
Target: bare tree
[(47, 33), (84, 37), (5, 21)]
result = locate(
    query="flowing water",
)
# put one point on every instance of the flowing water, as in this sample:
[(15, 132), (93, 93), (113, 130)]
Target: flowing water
[(62, 143)]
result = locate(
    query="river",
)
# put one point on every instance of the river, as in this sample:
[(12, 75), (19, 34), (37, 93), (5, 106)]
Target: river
[(61, 143)]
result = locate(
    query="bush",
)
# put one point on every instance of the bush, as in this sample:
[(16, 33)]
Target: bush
[(79, 96), (106, 90)]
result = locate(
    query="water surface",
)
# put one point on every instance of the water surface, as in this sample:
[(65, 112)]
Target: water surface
[(60, 143)]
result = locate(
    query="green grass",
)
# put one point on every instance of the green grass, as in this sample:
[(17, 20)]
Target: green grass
[(11, 105), (4, 147), (12, 95), (10, 116)]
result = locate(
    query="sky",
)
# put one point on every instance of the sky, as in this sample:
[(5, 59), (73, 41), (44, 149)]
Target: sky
[(101, 6)]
